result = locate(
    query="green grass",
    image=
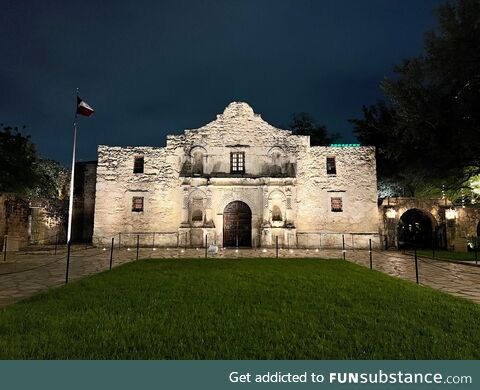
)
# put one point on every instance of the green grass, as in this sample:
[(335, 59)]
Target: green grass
[(449, 255), (241, 309)]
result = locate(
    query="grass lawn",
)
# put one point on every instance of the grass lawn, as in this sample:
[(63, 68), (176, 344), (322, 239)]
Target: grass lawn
[(449, 255), (241, 309)]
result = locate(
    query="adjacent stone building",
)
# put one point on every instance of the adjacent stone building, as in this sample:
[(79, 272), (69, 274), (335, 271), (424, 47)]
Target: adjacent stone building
[(237, 182), (28, 220), (84, 201)]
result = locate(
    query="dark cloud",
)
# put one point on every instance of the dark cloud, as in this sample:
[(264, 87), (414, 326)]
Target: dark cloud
[(155, 67)]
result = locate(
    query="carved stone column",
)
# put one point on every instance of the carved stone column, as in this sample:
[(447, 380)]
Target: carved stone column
[(266, 211), (208, 208), (185, 222), (288, 211), (266, 230)]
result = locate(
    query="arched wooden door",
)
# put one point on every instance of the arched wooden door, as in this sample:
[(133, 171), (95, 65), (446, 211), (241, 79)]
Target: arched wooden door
[(237, 225)]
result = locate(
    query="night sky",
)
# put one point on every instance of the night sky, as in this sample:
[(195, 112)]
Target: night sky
[(151, 68)]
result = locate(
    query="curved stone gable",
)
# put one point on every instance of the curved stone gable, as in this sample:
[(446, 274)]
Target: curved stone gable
[(239, 125)]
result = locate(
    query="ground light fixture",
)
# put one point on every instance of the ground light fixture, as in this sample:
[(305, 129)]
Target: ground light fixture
[(450, 214), (391, 213)]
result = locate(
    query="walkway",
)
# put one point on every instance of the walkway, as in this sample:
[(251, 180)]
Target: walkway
[(29, 272)]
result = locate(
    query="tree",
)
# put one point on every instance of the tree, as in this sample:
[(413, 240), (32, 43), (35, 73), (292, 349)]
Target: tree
[(428, 130), (24, 172), (53, 180), (304, 124), (17, 162)]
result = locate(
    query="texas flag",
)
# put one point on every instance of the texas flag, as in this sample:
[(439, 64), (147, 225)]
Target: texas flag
[(83, 108)]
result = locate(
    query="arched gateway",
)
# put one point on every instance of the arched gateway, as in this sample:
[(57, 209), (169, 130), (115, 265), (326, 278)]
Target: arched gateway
[(416, 228), (237, 225)]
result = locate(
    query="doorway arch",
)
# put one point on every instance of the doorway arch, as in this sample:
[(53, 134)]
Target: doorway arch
[(416, 228), (237, 225)]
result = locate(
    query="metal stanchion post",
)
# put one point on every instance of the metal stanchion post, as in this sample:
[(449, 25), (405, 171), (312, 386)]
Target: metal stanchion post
[(5, 241), (206, 245), (68, 262), (276, 246), (433, 245), (343, 246), (416, 263), (370, 252), (111, 253), (476, 251), (56, 244), (138, 244)]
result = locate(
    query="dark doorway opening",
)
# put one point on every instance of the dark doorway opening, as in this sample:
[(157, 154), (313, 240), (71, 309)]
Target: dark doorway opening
[(237, 225), (416, 228)]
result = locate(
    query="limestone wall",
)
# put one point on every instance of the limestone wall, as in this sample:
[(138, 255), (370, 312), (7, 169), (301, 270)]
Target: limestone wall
[(354, 182), (467, 227), (31, 221), (187, 185), (84, 201), (14, 212)]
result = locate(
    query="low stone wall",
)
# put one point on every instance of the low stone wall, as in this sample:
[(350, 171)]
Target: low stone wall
[(14, 215), (467, 226), (27, 221)]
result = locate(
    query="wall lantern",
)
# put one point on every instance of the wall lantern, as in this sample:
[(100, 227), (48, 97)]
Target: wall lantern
[(450, 214), (391, 213)]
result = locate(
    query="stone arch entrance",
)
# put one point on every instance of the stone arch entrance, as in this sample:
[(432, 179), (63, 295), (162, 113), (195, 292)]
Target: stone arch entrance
[(416, 228), (237, 225)]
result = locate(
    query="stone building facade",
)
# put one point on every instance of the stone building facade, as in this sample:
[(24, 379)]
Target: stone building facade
[(429, 223), (25, 221), (237, 181), (84, 201)]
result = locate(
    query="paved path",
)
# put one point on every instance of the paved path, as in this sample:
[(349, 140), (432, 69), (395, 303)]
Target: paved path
[(26, 273), (455, 278)]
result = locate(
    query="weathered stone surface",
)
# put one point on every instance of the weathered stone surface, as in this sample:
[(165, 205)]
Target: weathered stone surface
[(30, 221), (187, 185), (460, 232), (84, 201)]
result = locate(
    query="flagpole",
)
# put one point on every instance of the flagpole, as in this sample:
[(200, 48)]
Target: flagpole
[(72, 177)]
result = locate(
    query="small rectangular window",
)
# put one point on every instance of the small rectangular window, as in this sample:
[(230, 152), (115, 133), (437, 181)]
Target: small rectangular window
[(331, 166), (138, 164), (137, 203), (237, 162), (337, 206)]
